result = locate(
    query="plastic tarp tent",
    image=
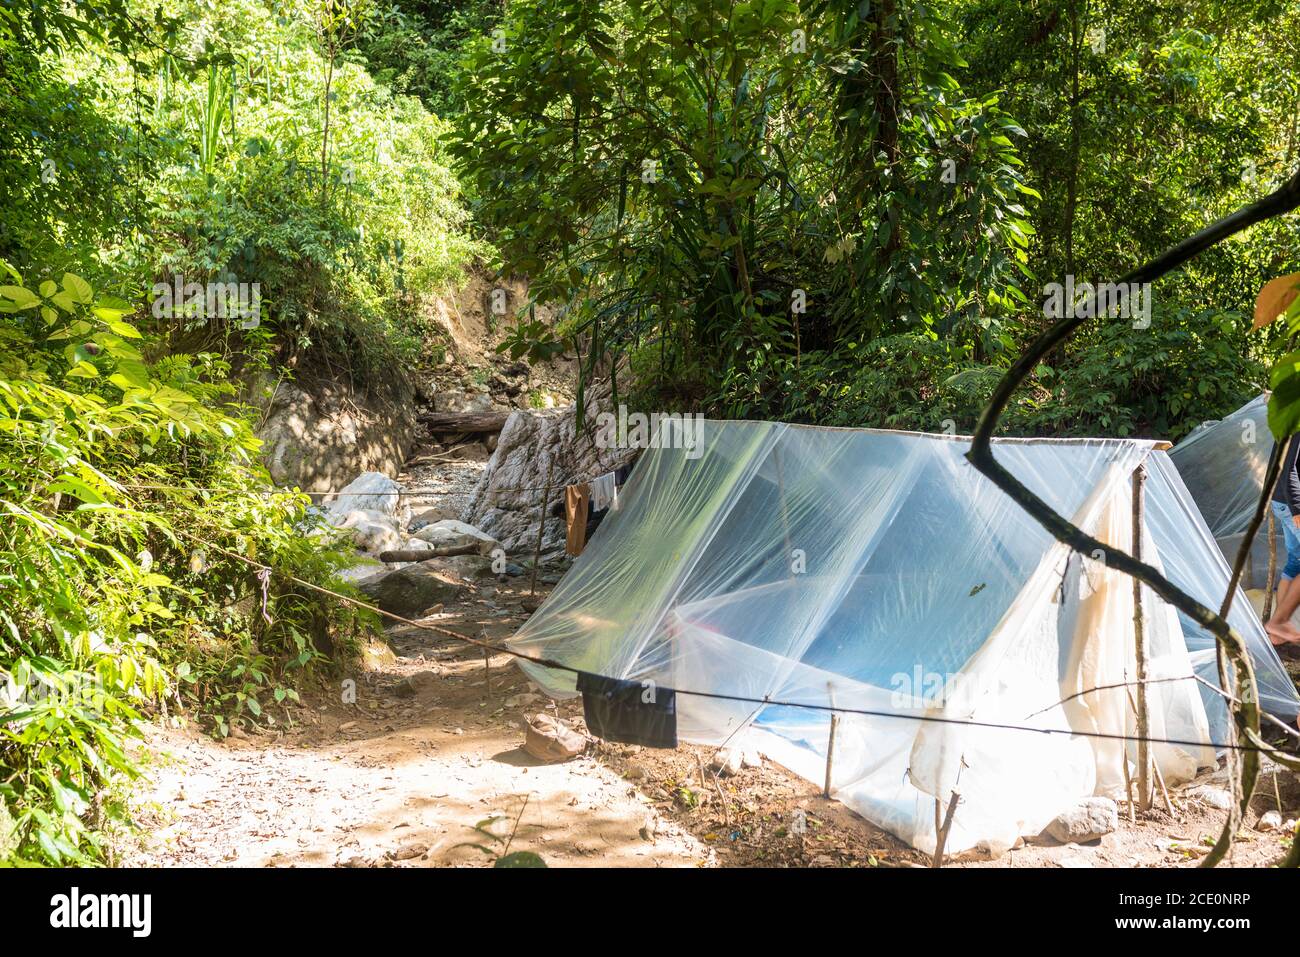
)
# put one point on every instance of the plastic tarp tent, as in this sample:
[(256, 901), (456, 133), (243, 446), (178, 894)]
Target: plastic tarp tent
[(879, 571), (1223, 464)]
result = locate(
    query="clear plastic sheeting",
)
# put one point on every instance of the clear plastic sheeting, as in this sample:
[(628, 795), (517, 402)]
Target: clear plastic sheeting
[(1223, 464), (879, 572)]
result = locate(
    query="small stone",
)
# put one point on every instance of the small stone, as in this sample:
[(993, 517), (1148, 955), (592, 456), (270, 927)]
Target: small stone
[(727, 762), (1268, 821), (408, 852), (1215, 797), (1088, 821)]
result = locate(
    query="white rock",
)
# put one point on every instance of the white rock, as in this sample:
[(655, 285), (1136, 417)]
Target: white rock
[(449, 532), (372, 532), (1268, 821), (727, 762), (368, 492), (1215, 797)]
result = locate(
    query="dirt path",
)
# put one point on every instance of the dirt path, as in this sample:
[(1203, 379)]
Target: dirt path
[(423, 766)]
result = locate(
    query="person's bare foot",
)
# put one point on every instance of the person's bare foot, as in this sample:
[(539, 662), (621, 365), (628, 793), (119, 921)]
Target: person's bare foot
[(1282, 632)]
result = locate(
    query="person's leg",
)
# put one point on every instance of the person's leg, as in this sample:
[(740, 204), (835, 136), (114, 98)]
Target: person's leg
[(1279, 627)]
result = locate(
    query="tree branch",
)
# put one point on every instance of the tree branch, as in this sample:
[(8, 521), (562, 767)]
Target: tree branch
[(1245, 710)]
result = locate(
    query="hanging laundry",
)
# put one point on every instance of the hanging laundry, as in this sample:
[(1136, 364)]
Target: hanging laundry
[(629, 712), (604, 492), (576, 500)]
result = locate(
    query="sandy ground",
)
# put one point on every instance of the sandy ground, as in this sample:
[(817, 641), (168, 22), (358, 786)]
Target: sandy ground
[(425, 769)]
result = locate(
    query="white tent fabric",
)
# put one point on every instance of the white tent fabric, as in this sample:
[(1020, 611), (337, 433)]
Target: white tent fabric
[(1223, 464), (879, 571)]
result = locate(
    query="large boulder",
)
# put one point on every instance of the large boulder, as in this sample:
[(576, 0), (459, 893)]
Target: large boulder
[(368, 492), (320, 431), (507, 502), (410, 590)]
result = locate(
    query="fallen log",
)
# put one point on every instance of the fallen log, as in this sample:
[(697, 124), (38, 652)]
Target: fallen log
[(424, 554), (463, 421)]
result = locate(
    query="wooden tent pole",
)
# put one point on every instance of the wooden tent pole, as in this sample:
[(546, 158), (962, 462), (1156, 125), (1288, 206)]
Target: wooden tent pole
[(830, 741), (1271, 582), (1140, 649)]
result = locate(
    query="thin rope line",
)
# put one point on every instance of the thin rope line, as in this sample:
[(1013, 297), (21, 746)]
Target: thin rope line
[(561, 666)]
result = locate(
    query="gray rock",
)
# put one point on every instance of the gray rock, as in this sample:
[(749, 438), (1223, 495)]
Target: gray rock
[(1215, 797), (727, 762), (320, 432), (409, 590), (450, 533), (506, 501), (1088, 821), (412, 685), (1268, 821), (462, 402)]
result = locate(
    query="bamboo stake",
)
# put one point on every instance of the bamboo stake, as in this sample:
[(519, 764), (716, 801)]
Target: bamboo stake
[(1272, 581), (1128, 785), (1140, 648), (941, 838), (830, 741)]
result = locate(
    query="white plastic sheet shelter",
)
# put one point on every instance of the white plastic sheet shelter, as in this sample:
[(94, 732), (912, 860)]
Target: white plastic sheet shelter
[(1223, 464), (879, 571)]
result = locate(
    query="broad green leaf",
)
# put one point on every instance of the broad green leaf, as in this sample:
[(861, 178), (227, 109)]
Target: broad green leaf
[(78, 288)]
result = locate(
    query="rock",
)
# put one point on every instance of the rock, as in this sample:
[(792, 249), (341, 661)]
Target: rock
[(552, 741), (413, 544), (372, 532), (462, 402), (428, 517), (450, 533), (634, 772), (506, 500), (522, 700), (408, 852), (467, 567), (320, 431), (368, 492), (727, 762), (1215, 797), (409, 590), (1268, 821), (412, 685), (1088, 821)]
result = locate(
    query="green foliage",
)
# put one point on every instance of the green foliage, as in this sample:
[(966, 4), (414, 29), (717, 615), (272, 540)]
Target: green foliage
[(413, 47), (1118, 380), (268, 156), (671, 173), (120, 477)]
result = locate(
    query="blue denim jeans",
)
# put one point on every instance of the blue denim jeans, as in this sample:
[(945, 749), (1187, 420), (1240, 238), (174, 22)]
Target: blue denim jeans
[(1292, 536)]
